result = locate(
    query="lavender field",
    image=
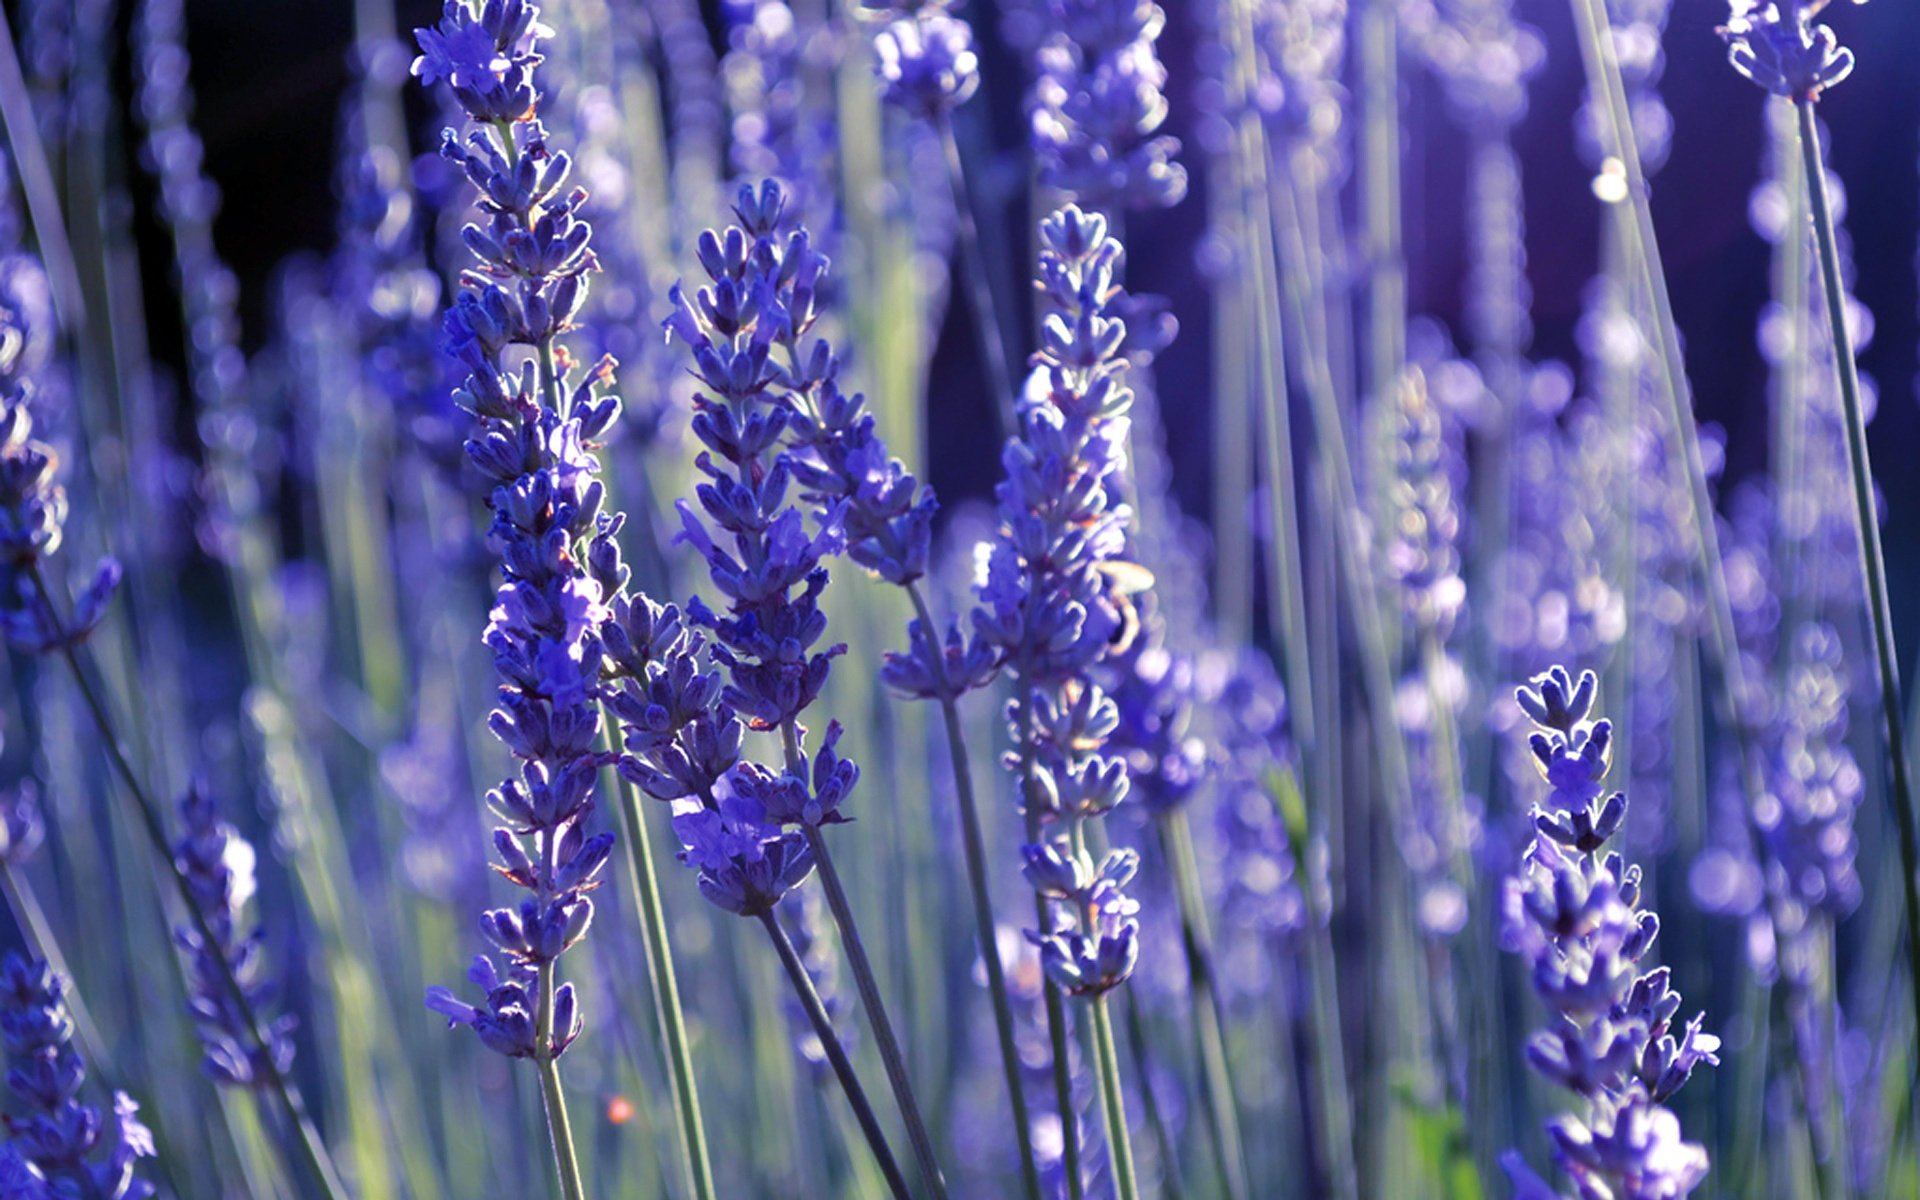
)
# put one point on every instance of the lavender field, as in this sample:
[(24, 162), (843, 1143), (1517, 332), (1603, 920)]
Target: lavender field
[(678, 600)]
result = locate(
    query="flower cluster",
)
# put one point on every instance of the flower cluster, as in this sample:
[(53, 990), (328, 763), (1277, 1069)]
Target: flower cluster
[(1574, 913), (924, 56), (56, 1144), (1807, 823), (766, 381), (33, 510), (1097, 107), (1776, 44), (1423, 539), (217, 864), (1055, 602), (21, 828), (531, 441)]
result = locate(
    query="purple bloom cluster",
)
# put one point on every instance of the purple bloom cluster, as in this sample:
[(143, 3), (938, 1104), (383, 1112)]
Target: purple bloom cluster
[(924, 56), (33, 510), (1423, 547), (766, 383), (1574, 913), (217, 864), (1097, 107), (58, 1147), (531, 442), (1807, 823), (1776, 44), (1055, 602)]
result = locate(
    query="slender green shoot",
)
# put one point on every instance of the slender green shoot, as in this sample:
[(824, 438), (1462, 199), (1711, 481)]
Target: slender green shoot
[(1874, 574)]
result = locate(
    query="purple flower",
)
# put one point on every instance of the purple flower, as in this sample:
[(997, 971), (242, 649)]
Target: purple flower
[(1056, 601), (59, 1146), (1574, 914), (533, 440), (1776, 44), (33, 509), (1097, 106), (218, 865), (925, 61)]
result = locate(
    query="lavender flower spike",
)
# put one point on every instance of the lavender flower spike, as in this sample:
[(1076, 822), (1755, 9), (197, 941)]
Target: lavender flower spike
[(535, 428), (1097, 107), (33, 510), (58, 1146), (1055, 605), (1574, 913), (1776, 44), (217, 864), (924, 56)]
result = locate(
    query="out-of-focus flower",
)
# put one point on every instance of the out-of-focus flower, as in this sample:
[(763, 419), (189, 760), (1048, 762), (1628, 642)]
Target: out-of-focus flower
[(59, 1146)]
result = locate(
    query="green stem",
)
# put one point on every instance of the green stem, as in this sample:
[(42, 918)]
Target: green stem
[(836, 1056), (1872, 561), (1176, 840), (987, 329), (883, 1035), (312, 1149), (559, 1127), (1156, 1120), (973, 844), (644, 883), (1113, 1102)]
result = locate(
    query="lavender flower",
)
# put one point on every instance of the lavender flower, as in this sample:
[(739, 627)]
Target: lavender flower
[(58, 1145), (217, 864), (33, 509), (1574, 913), (1054, 602), (533, 431), (21, 829), (1776, 44), (1097, 107), (924, 56)]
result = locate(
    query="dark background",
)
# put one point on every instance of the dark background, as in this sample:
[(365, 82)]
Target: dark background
[(269, 74)]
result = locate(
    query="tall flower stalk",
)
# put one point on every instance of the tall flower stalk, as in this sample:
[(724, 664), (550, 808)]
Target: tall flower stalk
[(1776, 44), (534, 426), (1574, 913), (1055, 604), (764, 374)]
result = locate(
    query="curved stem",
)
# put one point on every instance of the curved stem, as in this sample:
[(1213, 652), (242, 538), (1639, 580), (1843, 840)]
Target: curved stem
[(1872, 561), (836, 1056), (973, 843), (559, 1127), (883, 1035), (312, 1149), (987, 328), (644, 882)]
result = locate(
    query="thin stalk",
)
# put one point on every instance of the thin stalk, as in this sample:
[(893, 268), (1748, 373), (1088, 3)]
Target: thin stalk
[(1156, 1120), (973, 258), (1176, 840), (1604, 78), (973, 843), (1874, 564), (36, 181), (883, 1036), (836, 1056), (566, 1164), (1113, 1102), (312, 1149), (644, 882)]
